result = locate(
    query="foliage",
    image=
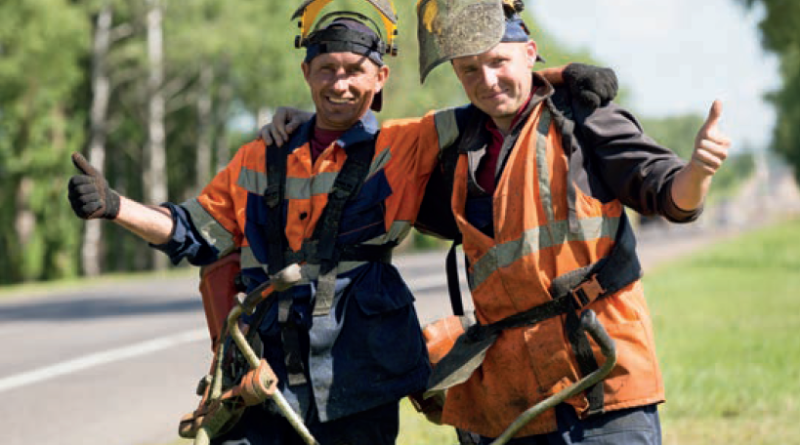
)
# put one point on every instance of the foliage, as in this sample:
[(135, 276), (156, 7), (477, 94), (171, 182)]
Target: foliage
[(41, 43), (238, 56), (779, 34), (678, 133)]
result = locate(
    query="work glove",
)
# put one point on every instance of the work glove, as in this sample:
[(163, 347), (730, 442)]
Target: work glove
[(591, 86), (89, 193)]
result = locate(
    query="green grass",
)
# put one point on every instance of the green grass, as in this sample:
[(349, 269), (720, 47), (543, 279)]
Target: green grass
[(48, 287), (726, 325)]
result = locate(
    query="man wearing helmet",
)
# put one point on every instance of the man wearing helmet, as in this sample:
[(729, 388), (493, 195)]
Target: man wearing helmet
[(537, 193), (345, 343), (537, 188)]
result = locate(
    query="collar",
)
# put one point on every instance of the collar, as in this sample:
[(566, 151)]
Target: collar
[(364, 129)]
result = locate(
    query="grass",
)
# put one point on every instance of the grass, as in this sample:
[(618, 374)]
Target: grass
[(48, 287), (726, 323)]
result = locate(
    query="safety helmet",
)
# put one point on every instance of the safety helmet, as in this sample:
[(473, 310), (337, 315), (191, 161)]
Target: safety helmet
[(448, 29), (347, 31)]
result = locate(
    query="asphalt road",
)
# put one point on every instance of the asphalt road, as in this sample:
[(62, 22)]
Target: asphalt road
[(117, 364)]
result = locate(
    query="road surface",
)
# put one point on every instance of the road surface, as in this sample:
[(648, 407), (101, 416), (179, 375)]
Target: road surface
[(117, 364)]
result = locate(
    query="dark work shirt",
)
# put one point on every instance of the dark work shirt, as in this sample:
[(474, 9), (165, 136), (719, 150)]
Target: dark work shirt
[(322, 139)]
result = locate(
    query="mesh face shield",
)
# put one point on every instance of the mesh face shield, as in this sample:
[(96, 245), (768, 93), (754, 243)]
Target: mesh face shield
[(447, 29)]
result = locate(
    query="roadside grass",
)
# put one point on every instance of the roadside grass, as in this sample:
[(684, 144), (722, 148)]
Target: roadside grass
[(79, 283), (726, 325)]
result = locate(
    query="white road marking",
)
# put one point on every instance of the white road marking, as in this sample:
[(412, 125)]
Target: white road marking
[(101, 358)]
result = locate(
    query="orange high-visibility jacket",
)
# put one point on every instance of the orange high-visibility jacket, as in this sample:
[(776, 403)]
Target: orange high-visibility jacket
[(511, 272), (375, 354)]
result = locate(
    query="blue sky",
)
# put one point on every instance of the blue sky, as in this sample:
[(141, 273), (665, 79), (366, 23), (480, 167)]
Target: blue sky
[(676, 56)]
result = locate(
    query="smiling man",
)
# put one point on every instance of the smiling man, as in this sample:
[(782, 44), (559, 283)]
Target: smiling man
[(345, 343), (342, 192), (537, 193)]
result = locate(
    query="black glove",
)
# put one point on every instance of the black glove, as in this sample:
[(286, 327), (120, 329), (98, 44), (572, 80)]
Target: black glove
[(89, 193), (591, 86)]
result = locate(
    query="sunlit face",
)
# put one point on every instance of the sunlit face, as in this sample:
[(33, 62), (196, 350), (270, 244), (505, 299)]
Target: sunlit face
[(342, 86), (498, 81)]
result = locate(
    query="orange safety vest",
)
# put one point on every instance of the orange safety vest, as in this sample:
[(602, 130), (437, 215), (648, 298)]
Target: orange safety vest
[(233, 212), (512, 272)]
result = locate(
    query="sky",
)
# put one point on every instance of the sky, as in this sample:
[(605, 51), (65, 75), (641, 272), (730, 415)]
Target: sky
[(676, 56)]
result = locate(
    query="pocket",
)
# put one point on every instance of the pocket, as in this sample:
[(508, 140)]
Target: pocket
[(636, 374), (392, 331), (549, 353)]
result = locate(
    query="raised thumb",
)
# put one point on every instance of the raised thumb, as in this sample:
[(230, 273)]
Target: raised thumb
[(714, 115), (83, 165)]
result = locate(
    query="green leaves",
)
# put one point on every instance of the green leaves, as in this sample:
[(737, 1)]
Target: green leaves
[(779, 32)]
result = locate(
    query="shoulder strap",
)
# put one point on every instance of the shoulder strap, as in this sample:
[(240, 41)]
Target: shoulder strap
[(273, 198), (448, 158), (348, 181)]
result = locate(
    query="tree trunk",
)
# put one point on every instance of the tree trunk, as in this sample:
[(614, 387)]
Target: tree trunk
[(223, 108), (205, 124), (155, 152), (92, 251), (24, 220)]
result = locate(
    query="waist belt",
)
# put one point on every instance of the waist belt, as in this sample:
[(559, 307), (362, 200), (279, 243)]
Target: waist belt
[(377, 253), (570, 293)]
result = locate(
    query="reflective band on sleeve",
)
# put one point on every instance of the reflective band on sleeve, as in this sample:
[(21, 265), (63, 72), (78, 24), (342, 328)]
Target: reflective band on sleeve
[(380, 161), (247, 259), (540, 238), (446, 127), (252, 181), (212, 231)]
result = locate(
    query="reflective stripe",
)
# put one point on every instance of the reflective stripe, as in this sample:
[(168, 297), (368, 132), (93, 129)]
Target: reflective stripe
[(212, 231), (542, 171), (380, 161), (539, 238), (397, 232), (253, 181), (446, 127), (309, 272), (305, 188), (247, 258)]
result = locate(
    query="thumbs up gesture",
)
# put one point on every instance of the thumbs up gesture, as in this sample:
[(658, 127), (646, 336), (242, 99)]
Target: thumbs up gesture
[(710, 146), (89, 193)]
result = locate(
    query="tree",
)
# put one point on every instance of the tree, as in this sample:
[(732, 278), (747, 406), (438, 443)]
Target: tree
[(40, 45), (779, 34)]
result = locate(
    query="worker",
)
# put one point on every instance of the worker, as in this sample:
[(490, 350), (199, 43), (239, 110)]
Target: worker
[(345, 343), (538, 196)]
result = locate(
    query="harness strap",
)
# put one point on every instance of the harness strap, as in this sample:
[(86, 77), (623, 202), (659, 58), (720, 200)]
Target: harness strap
[(571, 293), (276, 245), (290, 337), (348, 181), (453, 285), (374, 253), (273, 198)]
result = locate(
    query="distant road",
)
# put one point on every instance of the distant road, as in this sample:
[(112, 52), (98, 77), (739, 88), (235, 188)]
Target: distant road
[(117, 364)]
